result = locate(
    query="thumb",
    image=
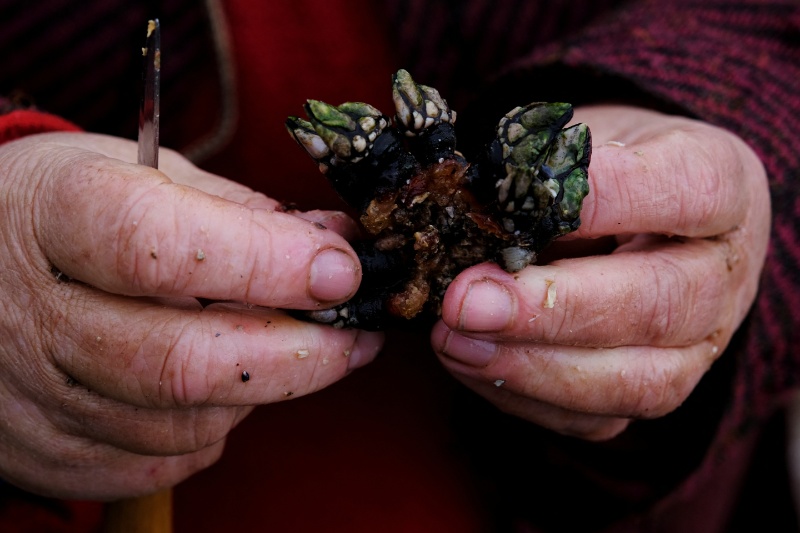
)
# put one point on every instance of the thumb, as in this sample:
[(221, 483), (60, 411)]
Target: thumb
[(129, 229)]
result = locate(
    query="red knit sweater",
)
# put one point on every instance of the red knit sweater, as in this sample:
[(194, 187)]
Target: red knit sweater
[(400, 447)]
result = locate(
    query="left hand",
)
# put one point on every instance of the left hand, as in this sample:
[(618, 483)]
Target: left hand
[(584, 345), (115, 381)]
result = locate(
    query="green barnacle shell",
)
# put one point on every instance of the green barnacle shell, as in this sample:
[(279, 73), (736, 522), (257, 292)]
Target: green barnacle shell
[(432, 96), (542, 115), (527, 132), (348, 129), (329, 116), (358, 110), (404, 86), (576, 187), (545, 172), (542, 196), (568, 161), (329, 122), (418, 106), (568, 149), (303, 132), (528, 150)]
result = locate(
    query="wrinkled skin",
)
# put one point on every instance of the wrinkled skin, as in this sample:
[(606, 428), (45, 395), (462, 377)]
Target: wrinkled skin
[(114, 380), (630, 333), (662, 309)]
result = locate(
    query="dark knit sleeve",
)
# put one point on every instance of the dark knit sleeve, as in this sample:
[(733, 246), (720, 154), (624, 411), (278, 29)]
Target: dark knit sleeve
[(736, 64)]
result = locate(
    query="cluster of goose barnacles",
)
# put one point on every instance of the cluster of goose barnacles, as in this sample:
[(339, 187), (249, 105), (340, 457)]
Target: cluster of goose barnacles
[(427, 213)]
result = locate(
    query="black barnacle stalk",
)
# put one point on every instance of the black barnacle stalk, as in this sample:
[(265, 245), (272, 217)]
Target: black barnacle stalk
[(429, 212)]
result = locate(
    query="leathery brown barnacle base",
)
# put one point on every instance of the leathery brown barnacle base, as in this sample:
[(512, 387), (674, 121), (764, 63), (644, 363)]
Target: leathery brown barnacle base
[(429, 213)]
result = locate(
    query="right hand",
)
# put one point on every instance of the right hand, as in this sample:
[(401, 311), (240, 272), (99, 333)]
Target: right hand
[(629, 334), (114, 380)]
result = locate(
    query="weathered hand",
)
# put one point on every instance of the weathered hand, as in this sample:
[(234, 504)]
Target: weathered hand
[(114, 380), (583, 345)]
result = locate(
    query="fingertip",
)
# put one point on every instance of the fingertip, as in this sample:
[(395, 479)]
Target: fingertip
[(487, 306), (439, 334), (334, 275), (365, 349), (466, 351), (480, 299)]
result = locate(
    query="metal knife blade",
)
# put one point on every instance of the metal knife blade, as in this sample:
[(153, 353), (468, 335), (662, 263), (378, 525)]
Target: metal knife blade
[(151, 92)]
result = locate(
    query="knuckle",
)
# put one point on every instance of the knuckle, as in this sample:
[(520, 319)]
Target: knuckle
[(608, 194), (145, 243), (202, 459), (659, 319), (667, 300), (198, 429), (173, 368), (713, 200), (658, 389), (688, 296), (262, 264)]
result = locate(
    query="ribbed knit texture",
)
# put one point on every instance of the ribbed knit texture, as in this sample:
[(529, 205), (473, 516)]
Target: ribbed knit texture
[(84, 62), (735, 64)]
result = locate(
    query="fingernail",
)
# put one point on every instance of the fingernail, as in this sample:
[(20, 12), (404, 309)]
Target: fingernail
[(332, 276), (487, 307), (366, 348), (471, 352)]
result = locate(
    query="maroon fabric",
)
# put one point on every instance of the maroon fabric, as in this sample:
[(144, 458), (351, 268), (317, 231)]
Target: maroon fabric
[(84, 63), (21, 512), (733, 63)]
